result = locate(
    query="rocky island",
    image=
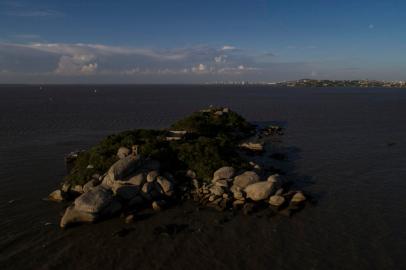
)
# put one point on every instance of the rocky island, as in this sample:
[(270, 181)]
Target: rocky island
[(210, 157)]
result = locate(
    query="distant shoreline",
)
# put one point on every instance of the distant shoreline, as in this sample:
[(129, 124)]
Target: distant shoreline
[(302, 83)]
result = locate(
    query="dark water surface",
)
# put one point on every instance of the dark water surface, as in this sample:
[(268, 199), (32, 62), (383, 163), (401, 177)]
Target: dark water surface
[(351, 152)]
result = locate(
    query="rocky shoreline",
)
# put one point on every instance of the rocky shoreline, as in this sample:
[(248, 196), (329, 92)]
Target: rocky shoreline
[(136, 181)]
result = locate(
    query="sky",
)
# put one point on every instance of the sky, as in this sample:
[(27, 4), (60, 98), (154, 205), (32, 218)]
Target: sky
[(191, 41)]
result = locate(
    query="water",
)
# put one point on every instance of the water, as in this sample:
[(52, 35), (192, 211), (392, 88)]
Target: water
[(351, 153)]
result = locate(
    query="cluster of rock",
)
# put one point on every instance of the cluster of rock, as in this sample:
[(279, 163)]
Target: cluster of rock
[(228, 189), (253, 146), (272, 130), (130, 183)]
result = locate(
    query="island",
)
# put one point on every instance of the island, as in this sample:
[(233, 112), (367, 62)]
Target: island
[(209, 157)]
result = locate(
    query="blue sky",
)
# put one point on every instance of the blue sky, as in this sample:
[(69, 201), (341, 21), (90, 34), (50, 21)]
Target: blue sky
[(201, 41)]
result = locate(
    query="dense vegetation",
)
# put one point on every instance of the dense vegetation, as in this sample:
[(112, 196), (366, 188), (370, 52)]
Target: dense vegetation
[(210, 144)]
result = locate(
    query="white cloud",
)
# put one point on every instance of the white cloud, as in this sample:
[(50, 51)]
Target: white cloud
[(79, 60), (78, 64), (200, 68), (228, 48), (89, 68)]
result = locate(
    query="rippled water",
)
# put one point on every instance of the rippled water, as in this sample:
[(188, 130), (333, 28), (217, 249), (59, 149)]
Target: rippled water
[(351, 152)]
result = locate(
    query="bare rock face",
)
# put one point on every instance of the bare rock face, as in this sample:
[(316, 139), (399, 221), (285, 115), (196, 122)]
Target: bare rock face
[(245, 179), (56, 196), (122, 152), (259, 191), (224, 173)]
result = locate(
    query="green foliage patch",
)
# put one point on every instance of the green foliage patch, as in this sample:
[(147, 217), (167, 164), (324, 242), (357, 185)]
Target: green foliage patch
[(211, 144)]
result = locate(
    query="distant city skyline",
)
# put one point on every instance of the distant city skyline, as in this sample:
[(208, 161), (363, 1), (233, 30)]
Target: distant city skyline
[(192, 41)]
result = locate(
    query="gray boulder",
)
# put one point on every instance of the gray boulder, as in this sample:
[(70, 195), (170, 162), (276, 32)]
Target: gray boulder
[(73, 216), (223, 173), (123, 168), (96, 204), (94, 200), (127, 192), (90, 185), (245, 179), (260, 190), (122, 152), (137, 179)]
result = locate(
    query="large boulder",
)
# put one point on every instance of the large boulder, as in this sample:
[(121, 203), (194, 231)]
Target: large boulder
[(90, 185), (127, 192), (166, 185), (276, 200), (245, 179), (123, 168), (276, 179), (94, 200), (122, 152), (56, 196), (224, 173), (260, 191), (73, 216), (93, 205), (298, 198), (137, 179)]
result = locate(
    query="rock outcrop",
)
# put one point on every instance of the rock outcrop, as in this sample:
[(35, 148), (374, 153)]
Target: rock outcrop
[(91, 206)]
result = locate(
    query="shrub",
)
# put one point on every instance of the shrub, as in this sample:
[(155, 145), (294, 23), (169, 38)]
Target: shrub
[(211, 145), (207, 123)]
